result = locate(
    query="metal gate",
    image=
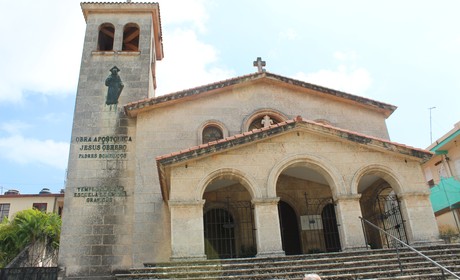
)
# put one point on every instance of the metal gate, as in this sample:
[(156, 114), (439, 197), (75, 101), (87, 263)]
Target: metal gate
[(319, 226), (388, 217), (229, 230)]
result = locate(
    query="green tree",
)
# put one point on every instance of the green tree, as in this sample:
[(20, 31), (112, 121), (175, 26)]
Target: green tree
[(27, 228)]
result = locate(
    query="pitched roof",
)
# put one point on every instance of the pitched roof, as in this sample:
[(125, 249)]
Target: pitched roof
[(276, 129), (132, 109), (252, 136)]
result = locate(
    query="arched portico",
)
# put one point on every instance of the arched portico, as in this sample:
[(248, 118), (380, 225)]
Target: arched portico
[(379, 188), (230, 174), (377, 170), (254, 220), (320, 165), (321, 202), (388, 200), (228, 215)]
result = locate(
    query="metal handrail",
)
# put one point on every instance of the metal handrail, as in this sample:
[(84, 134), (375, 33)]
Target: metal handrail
[(443, 269)]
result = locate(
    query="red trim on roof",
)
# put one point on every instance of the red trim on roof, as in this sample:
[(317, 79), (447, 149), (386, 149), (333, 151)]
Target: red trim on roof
[(297, 120)]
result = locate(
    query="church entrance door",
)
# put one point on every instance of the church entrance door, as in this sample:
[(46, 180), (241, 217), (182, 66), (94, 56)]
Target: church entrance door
[(289, 229)]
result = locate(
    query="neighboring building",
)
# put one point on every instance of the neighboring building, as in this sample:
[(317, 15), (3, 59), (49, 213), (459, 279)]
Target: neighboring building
[(12, 202), (257, 165), (442, 172)]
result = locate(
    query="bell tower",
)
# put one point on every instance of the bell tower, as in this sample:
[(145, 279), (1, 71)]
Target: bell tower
[(122, 44)]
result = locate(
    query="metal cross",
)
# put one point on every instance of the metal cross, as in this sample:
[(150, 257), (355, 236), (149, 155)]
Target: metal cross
[(259, 63)]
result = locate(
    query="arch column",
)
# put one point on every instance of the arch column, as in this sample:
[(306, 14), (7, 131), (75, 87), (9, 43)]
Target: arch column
[(187, 239), (421, 223), (351, 230), (268, 234)]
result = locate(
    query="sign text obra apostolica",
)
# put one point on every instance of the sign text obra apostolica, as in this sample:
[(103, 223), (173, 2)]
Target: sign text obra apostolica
[(102, 147)]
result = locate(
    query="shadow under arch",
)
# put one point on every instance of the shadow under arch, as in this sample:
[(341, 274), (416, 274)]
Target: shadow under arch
[(232, 174), (318, 164), (379, 170)]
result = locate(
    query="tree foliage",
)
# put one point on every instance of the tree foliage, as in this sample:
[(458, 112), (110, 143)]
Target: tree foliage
[(27, 228)]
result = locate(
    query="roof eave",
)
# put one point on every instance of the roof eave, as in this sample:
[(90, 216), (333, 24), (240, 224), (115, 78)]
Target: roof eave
[(278, 129), (134, 108)]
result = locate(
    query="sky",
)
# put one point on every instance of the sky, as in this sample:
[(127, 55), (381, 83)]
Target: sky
[(405, 53)]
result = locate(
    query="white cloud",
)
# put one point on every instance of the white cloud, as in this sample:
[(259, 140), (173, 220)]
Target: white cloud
[(39, 62), (14, 127), (17, 148), (187, 63), (345, 56), (184, 11), (289, 34), (346, 77), (41, 53), (31, 151)]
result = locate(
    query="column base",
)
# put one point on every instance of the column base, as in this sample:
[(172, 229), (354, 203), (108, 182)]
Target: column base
[(427, 243), (188, 258), (355, 248), (271, 254)]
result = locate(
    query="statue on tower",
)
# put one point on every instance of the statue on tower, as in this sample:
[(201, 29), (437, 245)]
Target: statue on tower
[(115, 85)]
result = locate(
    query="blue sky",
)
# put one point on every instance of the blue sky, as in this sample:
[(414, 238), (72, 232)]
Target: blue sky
[(405, 53)]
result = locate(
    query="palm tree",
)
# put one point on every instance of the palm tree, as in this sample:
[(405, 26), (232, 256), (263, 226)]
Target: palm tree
[(32, 228)]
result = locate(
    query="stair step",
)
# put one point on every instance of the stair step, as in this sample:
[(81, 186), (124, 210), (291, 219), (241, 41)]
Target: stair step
[(365, 265)]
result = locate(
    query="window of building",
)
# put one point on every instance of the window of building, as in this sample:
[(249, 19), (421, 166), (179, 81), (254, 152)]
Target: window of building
[(263, 121), (4, 210), (262, 118), (131, 38), (105, 39), (212, 133), (40, 206)]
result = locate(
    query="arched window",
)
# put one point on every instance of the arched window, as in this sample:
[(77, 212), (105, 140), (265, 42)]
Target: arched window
[(105, 39), (262, 121), (130, 38), (212, 133), (262, 118)]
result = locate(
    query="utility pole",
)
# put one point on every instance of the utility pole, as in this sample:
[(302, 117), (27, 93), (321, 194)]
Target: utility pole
[(431, 127)]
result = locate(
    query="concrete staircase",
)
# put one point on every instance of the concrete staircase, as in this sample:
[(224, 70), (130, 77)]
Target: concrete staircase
[(366, 264)]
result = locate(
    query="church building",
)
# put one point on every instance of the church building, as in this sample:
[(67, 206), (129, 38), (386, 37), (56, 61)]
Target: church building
[(256, 165)]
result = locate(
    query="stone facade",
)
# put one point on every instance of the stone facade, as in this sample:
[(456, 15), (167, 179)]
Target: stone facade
[(143, 187)]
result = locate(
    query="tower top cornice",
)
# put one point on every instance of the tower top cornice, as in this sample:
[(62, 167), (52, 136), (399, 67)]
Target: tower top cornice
[(152, 8)]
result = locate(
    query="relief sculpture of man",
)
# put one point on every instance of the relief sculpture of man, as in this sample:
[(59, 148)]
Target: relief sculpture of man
[(115, 85)]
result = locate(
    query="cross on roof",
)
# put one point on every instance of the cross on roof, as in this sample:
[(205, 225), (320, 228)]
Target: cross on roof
[(259, 63)]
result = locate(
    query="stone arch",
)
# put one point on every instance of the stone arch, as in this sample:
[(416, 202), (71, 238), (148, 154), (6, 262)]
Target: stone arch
[(274, 114), (228, 173), (105, 37), (209, 123), (381, 171), (320, 165)]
